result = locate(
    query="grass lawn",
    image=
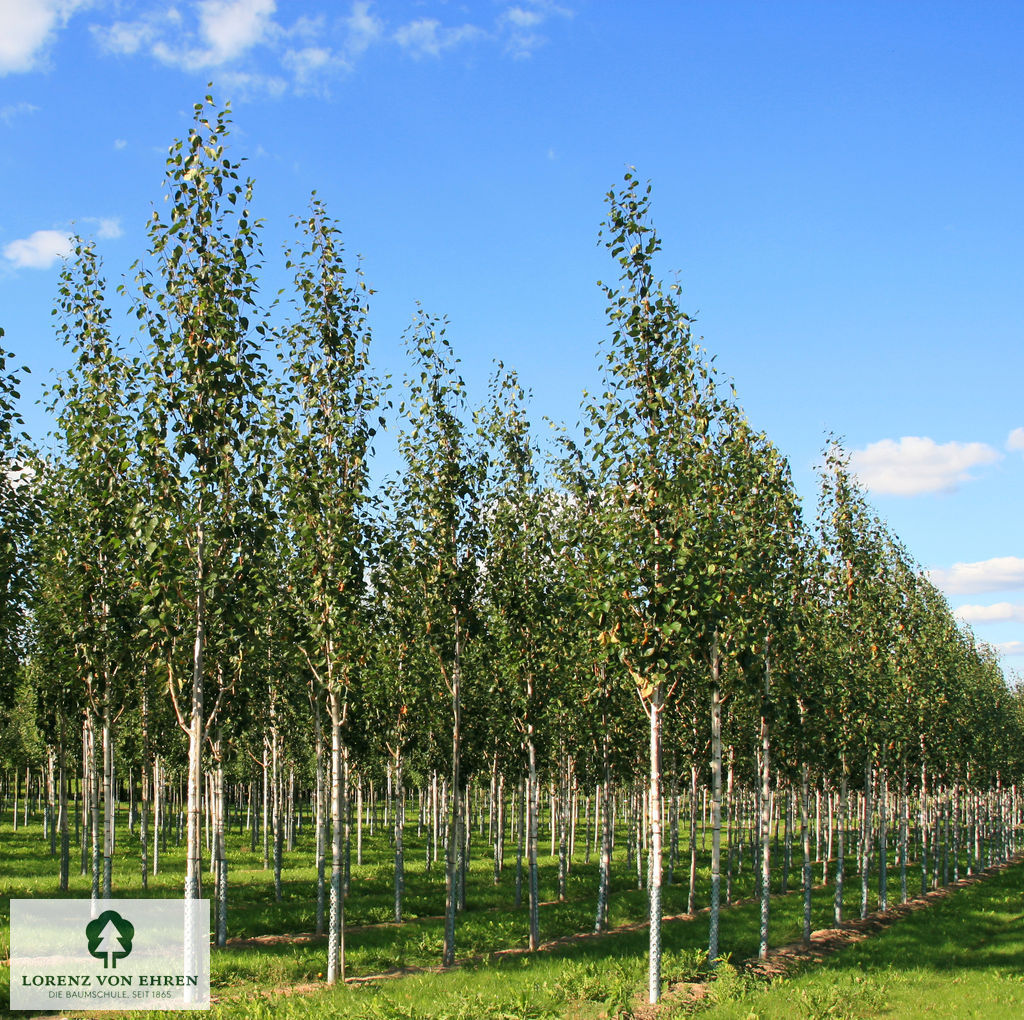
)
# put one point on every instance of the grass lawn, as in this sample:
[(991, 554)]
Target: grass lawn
[(967, 950), (962, 957)]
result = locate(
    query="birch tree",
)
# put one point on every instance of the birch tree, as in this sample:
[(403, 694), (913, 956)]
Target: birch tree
[(52, 662), (529, 615), (327, 440), (775, 585), (440, 498), (646, 436), (856, 581), (202, 434), (95, 404), (17, 517)]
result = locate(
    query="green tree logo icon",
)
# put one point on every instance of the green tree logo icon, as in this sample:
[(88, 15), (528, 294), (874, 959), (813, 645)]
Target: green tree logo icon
[(110, 937)]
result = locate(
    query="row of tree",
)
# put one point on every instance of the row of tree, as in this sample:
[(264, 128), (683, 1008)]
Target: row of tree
[(205, 545)]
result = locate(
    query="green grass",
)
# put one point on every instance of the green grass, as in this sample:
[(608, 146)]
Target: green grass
[(583, 980), (962, 957)]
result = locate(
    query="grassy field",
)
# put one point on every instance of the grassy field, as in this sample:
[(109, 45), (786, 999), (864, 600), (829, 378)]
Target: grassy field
[(961, 957), (968, 949)]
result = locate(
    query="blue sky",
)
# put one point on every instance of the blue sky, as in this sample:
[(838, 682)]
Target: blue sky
[(838, 187)]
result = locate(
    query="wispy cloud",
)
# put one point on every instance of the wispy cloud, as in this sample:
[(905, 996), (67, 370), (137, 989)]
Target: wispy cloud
[(311, 68), (129, 37), (1015, 440), (1010, 648), (10, 113), (246, 84), (363, 28), (427, 37), (217, 32), (1002, 573), (226, 31), (916, 464), (999, 612), (253, 45), (39, 250), (306, 62), (520, 26), (522, 17), (28, 28), (107, 228), (246, 43)]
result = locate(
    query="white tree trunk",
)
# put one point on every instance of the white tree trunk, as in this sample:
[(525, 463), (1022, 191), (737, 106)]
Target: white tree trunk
[(193, 844), (654, 888), (716, 813), (336, 921)]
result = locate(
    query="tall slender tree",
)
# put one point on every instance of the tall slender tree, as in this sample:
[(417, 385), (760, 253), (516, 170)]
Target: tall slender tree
[(95, 403), (17, 517), (440, 499), (202, 434), (650, 438), (327, 440), (528, 606)]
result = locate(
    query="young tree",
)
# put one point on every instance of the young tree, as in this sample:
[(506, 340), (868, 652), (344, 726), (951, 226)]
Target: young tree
[(857, 597), (652, 439), (17, 516), (440, 499), (772, 567), (327, 445), (202, 434), (52, 664), (529, 616), (395, 704), (95, 406), (586, 519)]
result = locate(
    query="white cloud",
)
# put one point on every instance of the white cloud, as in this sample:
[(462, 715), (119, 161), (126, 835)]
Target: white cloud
[(523, 18), (310, 29), (109, 229), (127, 37), (244, 41), (230, 27), (363, 29), (917, 464), (310, 66), (519, 25), (250, 83), (521, 45), (14, 110), (120, 143), (1010, 648), (224, 32), (256, 51), (999, 574), (27, 27), (307, 60), (1015, 440), (38, 251), (426, 37), (999, 612)]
